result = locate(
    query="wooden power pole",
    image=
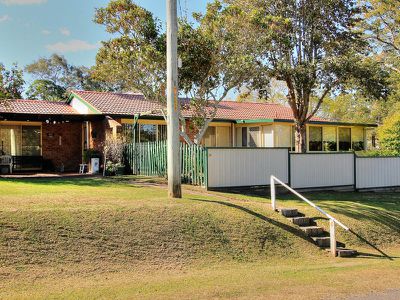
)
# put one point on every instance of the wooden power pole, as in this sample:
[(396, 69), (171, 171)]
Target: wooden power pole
[(174, 161)]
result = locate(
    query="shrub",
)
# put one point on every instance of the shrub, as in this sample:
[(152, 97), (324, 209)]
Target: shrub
[(375, 153), (113, 151), (389, 134)]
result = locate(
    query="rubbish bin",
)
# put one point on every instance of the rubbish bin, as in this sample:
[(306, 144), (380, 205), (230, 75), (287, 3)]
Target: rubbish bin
[(95, 165)]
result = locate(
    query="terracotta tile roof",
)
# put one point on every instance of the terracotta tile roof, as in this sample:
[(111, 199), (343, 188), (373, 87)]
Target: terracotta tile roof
[(131, 104), (232, 110), (118, 103), (38, 107)]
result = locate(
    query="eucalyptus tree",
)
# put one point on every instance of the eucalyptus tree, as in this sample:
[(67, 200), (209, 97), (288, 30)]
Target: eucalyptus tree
[(11, 82), (55, 76), (314, 46), (382, 23), (213, 61)]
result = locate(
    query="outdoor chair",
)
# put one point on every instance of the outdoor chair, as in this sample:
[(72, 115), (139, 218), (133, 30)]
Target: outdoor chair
[(6, 160)]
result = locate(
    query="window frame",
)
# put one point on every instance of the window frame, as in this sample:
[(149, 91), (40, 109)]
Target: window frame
[(26, 124), (308, 138), (338, 139)]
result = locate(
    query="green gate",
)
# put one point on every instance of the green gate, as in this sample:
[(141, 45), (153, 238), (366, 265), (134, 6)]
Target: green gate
[(150, 159)]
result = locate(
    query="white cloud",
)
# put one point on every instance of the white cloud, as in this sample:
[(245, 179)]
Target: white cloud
[(46, 32), (5, 18), (65, 31), (71, 46), (22, 2)]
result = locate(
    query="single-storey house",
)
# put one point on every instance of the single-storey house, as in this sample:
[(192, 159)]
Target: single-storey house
[(53, 135)]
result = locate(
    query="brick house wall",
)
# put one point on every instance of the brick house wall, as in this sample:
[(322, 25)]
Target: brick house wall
[(62, 145), (98, 131)]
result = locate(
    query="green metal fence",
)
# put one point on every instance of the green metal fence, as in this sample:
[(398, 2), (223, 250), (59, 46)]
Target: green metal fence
[(150, 159)]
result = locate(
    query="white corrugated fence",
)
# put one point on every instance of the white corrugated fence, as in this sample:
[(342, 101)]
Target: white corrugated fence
[(239, 167), (230, 167), (312, 170), (377, 172)]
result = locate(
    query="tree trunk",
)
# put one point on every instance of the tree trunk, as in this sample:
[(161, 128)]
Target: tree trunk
[(301, 139)]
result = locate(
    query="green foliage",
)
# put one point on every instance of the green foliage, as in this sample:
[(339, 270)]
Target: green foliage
[(11, 82), (313, 46), (355, 108), (54, 76), (389, 134), (376, 153), (44, 89), (382, 20), (136, 56)]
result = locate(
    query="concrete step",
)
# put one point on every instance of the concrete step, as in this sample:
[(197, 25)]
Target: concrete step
[(289, 212), (302, 221), (313, 231), (343, 252), (323, 241)]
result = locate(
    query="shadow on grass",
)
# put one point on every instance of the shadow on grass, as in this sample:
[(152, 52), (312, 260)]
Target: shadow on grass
[(283, 226), (383, 209), (384, 255), (293, 230), (79, 181), (92, 181)]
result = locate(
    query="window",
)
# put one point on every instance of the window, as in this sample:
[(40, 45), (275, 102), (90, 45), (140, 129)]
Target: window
[(357, 137), (17, 140), (10, 140), (344, 139), (315, 135), (244, 136), (254, 136), (148, 133), (31, 140), (144, 133), (282, 136), (330, 138)]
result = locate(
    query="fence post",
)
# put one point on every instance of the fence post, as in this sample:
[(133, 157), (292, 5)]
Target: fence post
[(273, 198), (332, 239), (355, 171)]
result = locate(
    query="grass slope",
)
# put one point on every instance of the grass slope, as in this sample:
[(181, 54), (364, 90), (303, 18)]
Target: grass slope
[(95, 238), (47, 221)]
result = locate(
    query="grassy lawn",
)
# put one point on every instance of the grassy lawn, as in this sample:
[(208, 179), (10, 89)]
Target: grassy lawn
[(123, 239)]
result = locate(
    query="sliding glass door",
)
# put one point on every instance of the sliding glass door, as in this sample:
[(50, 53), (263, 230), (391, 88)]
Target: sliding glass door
[(20, 140), (31, 141), (10, 140)]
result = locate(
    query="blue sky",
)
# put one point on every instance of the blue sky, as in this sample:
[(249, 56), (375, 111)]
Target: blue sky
[(30, 29)]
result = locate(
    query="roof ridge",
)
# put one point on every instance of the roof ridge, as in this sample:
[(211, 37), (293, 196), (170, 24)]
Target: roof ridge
[(112, 93), (36, 101), (259, 103)]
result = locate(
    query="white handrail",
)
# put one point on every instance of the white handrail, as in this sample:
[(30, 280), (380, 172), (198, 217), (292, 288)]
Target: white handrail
[(273, 199)]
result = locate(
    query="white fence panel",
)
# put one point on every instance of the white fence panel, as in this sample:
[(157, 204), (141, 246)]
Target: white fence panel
[(377, 172), (246, 167), (321, 170)]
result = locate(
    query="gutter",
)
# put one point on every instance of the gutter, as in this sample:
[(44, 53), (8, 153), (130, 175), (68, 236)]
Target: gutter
[(310, 122)]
